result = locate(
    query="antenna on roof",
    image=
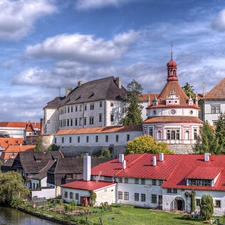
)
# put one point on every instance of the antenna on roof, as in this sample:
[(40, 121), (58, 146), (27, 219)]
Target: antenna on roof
[(172, 50)]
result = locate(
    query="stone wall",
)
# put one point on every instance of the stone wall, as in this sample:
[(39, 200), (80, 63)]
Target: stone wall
[(73, 151), (181, 148)]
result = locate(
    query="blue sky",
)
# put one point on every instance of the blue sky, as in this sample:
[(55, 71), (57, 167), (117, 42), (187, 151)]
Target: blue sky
[(48, 45)]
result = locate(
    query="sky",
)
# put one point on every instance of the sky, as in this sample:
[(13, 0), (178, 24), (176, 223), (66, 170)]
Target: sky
[(49, 45)]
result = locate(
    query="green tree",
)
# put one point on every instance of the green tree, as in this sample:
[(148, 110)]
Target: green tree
[(53, 147), (189, 91), (220, 132), (133, 109), (147, 144), (12, 190), (207, 141), (105, 153), (206, 207), (38, 147)]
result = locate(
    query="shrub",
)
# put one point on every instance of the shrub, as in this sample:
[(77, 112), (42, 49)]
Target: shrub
[(206, 207)]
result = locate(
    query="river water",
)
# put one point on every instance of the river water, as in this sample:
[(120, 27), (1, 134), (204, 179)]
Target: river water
[(10, 216)]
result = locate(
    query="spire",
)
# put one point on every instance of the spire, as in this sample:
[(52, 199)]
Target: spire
[(172, 67), (172, 50)]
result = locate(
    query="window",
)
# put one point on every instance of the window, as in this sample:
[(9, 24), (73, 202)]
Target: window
[(68, 109), (154, 198), (126, 180), (159, 135), (100, 117), (76, 108), (65, 194), (71, 109), (100, 104), (70, 139), (85, 120), (154, 182), (85, 107), (111, 104), (215, 109), (92, 106), (173, 134), (111, 117), (106, 138), (71, 195), (198, 202), (120, 195), (175, 190), (77, 196), (126, 195), (75, 121), (78, 139), (117, 138), (87, 139), (160, 182), (68, 122), (80, 121), (80, 107), (128, 137), (120, 180), (143, 181), (91, 120), (143, 198), (195, 133), (218, 203), (150, 131), (136, 181), (62, 139), (136, 197), (169, 190), (55, 140), (96, 138), (195, 182)]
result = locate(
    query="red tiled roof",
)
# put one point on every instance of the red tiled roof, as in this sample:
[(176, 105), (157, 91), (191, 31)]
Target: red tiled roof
[(173, 170), (92, 130), (173, 119), (5, 142), (144, 97), (19, 124), (17, 148), (88, 185), (217, 92)]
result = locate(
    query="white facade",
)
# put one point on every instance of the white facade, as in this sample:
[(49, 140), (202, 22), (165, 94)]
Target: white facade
[(14, 132), (51, 121)]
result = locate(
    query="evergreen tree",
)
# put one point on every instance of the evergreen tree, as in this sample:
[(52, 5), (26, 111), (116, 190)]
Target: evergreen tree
[(207, 141), (189, 91), (38, 147), (206, 207), (133, 110), (220, 132), (53, 147)]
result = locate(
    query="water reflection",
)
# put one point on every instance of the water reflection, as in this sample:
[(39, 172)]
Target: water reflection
[(10, 216)]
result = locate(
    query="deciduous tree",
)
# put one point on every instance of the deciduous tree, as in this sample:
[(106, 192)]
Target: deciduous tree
[(38, 147), (147, 144), (189, 91), (220, 132), (133, 109)]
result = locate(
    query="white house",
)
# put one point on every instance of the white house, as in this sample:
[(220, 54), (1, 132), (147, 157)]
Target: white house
[(213, 103), (159, 181)]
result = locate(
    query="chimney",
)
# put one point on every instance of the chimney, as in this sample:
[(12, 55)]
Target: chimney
[(161, 157), (121, 158), (87, 168), (206, 157), (68, 90), (154, 160), (119, 82), (124, 164), (79, 83)]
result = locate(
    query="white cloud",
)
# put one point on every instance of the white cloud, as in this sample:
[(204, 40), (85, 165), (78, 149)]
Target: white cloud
[(93, 4), (7, 64), (18, 17), (219, 22), (83, 48)]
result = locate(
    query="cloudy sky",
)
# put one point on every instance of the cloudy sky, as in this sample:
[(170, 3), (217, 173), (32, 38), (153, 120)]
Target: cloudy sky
[(48, 45)]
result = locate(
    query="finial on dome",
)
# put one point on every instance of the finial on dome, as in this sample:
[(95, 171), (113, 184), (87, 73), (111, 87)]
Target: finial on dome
[(172, 50)]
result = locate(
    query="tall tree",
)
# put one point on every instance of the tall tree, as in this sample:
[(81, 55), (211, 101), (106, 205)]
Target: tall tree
[(38, 147), (189, 91), (207, 141), (206, 207), (12, 190), (220, 132), (133, 109), (147, 144)]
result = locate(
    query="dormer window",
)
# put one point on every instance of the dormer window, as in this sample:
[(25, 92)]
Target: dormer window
[(172, 99)]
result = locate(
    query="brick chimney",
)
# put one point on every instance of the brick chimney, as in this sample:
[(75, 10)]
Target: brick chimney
[(119, 82), (68, 90)]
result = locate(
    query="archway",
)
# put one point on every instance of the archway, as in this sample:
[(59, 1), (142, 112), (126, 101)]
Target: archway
[(179, 204)]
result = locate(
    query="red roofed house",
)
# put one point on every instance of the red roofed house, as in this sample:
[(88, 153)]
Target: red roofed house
[(213, 103), (173, 116), (154, 181)]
